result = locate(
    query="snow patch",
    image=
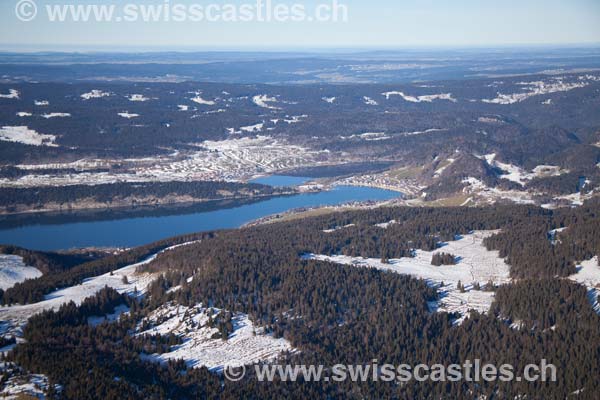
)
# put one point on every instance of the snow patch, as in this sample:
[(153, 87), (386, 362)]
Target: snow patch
[(337, 228), (517, 174), (128, 115), (24, 135), (440, 170), (421, 99), (578, 198), (263, 100), (55, 115), (491, 195), (199, 100), (294, 119), (369, 136), (385, 225), (220, 110), (369, 101), (475, 265), (253, 128), (247, 344), (138, 97), (13, 270), (15, 317), (588, 274), (95, 94), (467, 201), (552, 235), (423, 132), (535, 89), (25, 386), (12, 94)]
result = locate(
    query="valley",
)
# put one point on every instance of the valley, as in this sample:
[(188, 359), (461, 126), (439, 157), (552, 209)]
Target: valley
[(482, 149), (165, 217)]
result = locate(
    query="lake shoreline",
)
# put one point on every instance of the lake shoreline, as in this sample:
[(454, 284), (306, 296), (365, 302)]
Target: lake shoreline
[(118, 228)]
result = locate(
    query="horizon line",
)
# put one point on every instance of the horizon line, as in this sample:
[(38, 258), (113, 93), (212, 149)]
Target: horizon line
[(104, 48)]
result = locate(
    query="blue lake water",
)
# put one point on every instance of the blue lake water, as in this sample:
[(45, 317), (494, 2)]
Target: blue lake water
[(129, 232)]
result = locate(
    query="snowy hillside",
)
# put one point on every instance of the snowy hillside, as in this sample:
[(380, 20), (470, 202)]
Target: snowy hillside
[(475, 264), (588, 274), (247, 344), (13, 270), (15, 317)]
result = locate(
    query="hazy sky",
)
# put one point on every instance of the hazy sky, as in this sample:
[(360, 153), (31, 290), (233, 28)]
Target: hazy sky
[(372, 23)]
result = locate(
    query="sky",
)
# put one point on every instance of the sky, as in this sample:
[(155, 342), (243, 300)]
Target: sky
[(370, 24)]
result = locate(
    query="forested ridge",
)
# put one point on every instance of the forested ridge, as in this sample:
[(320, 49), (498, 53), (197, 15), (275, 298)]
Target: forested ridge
[(343, 314), (34, 290), (128, 194)]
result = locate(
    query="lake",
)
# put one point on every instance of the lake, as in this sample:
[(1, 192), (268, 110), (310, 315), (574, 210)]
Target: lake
[(65, 232)]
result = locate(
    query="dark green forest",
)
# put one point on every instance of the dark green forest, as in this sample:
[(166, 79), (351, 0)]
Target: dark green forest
[(337, 314)]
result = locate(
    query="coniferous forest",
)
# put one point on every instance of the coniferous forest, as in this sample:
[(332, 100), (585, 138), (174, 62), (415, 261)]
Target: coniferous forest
[(334, 313)]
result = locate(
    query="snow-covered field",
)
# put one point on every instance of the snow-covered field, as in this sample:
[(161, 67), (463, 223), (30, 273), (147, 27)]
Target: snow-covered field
[(247, 344), (294, 119), (264, 101), (95, 94), (22, 134), (13, 270), (475, 264), (22, 385), (421, 99), (431, 130), (128, 115), (14, 317), (55, 115), (199, 100), (385, 225), (253, 128), (369, 136), (477, 188), (517, 174), (138, 97), (588, 274), (12, 94), (376, 136), (444, 166), (537, 88), (578, 198), (369, 101)]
